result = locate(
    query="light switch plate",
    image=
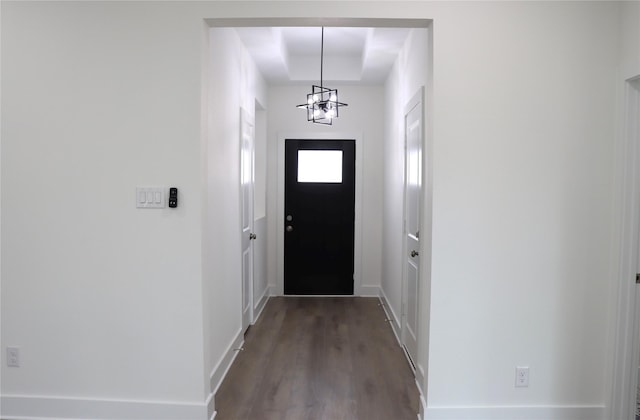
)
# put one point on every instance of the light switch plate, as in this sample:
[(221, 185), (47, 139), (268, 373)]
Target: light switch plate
[(150, 198)]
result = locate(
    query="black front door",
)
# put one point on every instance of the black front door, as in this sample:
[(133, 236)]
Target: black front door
[(319, 217)]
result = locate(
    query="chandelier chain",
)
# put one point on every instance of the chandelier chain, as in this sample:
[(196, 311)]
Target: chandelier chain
[(321, 54)]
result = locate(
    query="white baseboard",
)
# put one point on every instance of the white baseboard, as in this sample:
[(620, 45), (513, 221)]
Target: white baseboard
[(420, 377), (516, 413), (367, 290), (262, 302), (220, 371), (211, 406), (31, 407), (417, 369), (395, 322), (360, 291), (423, 404)]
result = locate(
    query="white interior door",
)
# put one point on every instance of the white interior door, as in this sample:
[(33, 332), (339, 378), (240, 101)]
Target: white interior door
[(247, 180), (413, 122)]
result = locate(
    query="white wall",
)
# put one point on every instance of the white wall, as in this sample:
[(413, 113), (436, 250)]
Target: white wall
[(234, 82), (523, 152), (355, 118), (103, 299), (261, 291), (260, 191), (630, 39), (260, 277)]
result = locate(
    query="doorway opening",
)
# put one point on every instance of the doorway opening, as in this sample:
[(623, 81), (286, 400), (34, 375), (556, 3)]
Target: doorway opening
[(331, 141), (370, 166)]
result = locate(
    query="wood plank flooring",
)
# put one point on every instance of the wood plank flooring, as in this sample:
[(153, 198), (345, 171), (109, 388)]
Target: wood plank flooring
[(319, 358)]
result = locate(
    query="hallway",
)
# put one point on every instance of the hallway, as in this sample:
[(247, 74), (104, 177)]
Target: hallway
[(319, 358)]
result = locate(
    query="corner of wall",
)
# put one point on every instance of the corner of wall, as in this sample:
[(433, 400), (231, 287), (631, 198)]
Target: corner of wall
[(222, 367)]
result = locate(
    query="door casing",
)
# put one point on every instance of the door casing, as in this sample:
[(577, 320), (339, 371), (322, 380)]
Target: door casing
[(358, 288), (626, 353)]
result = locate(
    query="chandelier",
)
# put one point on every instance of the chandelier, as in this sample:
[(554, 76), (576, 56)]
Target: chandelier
[(322, 103)]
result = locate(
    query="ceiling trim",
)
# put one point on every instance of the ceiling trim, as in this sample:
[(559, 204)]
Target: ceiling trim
[(314, 21)]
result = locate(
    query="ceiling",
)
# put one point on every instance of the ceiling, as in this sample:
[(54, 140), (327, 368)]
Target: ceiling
[(291, 55)]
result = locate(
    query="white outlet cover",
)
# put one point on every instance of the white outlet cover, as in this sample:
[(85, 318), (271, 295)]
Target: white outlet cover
[(13, 356), (522, 376)]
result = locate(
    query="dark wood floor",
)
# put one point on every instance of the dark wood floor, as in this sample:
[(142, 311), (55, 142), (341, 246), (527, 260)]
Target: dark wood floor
[(319, 358)]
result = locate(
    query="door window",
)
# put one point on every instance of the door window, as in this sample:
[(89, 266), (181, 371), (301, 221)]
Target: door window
[(320, 166)]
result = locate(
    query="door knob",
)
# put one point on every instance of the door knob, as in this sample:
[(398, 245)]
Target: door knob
[(414, 253), (289, 228), (252, 236)]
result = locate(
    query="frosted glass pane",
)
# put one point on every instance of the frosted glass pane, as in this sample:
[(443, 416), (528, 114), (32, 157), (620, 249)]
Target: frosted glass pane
[(320, 166)]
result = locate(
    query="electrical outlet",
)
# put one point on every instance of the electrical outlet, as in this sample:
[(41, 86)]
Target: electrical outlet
[(522, 376), (13, 356)]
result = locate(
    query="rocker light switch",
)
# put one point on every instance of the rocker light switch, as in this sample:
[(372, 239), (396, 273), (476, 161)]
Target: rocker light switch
[(150, 197)]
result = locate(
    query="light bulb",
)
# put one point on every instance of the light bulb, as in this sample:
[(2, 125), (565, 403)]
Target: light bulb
[(310, 101), (334, 98), (316, 113), (330, 113), (315, 98)]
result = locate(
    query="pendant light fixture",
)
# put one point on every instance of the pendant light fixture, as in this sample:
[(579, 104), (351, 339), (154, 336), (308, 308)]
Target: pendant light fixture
[(322, 103)]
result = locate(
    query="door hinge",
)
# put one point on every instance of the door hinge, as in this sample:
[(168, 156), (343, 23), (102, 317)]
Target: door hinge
[(638, 278)]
